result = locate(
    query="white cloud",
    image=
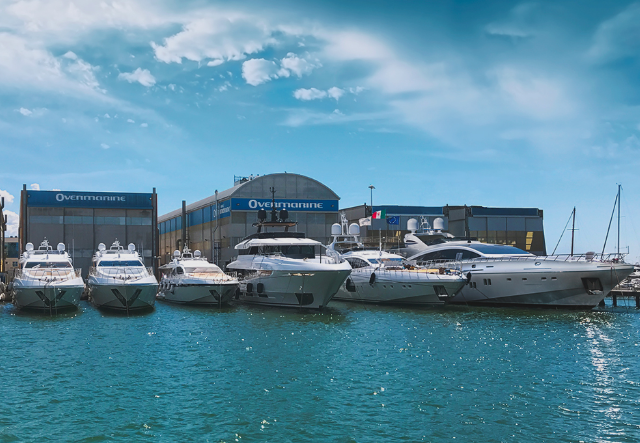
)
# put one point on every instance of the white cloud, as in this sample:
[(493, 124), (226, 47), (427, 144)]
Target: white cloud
[(107, 116), (618, 36), (144, 125), (8, 198), (104, 146), (130, 121), (34, 187), (24, 111), (309, 94), (71, 55), (12, 223), (317, 94), (335, 93), (217, 36), (142, 76), (297, 65), (258, 70), (26, 65)]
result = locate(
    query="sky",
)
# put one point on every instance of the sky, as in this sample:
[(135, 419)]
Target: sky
[(496, 103)]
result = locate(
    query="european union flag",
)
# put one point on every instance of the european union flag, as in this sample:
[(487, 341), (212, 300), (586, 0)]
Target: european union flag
[(393, 220)]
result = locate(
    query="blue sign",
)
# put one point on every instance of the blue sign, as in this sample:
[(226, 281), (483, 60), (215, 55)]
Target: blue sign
[(71, 199), (294, 205), (393, 220)]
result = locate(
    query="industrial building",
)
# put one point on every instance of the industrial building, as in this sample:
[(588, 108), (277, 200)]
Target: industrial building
[(82, 220), (216, 224), (519, 227)]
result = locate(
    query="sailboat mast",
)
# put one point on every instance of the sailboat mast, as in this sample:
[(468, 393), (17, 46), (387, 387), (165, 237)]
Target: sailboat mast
[(573, 229), (619, 203)]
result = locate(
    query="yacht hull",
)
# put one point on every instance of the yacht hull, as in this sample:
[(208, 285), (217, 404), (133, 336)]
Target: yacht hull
[(45, 297), (573, 285), (311, 289), (399, 287), (198, 294), (123, 297)]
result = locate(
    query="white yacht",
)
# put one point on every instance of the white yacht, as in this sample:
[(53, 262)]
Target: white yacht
[(381, 277), (191, 279), (46, 279), (505, 275), (119, 279), (285, 268)]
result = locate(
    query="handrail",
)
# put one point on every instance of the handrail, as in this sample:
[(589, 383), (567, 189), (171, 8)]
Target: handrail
[(612, 258)]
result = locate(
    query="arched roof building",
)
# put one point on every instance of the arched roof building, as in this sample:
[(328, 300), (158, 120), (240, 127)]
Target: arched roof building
[(217, 223)]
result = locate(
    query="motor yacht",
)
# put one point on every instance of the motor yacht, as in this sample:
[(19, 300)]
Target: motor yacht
[(284, 268), (190, 279), (503, 275), (382, 277), (46, 279), (119, 280)]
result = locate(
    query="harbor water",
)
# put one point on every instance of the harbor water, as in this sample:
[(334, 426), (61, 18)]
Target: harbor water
[(349, 373)]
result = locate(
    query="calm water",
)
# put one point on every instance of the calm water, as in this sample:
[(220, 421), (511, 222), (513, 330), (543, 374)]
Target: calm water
[(351, 373)]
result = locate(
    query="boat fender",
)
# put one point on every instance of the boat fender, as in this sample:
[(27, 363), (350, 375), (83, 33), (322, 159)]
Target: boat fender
[(372, 279), (468, 277), (237, 293), (249, 288), (260, 288), (351, 287)]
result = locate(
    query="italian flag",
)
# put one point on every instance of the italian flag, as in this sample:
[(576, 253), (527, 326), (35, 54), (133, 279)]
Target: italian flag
[(379, 215)]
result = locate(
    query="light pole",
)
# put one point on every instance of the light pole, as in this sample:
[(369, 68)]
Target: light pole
[(372, 188)]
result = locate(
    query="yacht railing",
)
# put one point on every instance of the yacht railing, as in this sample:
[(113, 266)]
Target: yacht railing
[(121, 273), (50, 274), (584, 258), (417, 272)]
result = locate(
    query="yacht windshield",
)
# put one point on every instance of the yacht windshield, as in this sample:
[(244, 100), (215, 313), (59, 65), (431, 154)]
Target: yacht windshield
[(120, 263), (48, 265), (497, 249)]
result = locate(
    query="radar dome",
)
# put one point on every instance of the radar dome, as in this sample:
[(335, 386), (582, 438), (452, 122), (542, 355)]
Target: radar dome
[(131, 247), (262, 215), (60, 247), (336, 229), (438, 224), (284, 214), (29, 247), (176, 253), (412, 225), (101, 247), (197, 253), (354, 229)]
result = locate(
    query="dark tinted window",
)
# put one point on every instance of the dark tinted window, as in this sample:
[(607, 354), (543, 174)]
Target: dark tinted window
[(120, 263), (44, 265), (448, 254)]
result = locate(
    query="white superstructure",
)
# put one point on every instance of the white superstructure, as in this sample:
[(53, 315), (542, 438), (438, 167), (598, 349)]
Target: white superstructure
[(46, 279), (285, 268), (191, 279), (381, 277), (119, 280), (505, 275)]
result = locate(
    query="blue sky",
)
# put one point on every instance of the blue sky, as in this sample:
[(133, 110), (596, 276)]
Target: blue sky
[(526, 104)]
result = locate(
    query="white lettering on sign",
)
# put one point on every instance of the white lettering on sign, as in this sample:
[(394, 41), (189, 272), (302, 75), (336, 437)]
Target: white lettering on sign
[(254, 204), (77, 197)]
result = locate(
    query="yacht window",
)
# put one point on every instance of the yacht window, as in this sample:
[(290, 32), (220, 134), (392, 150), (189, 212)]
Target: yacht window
[(49, 264), (202, 270), (374, 261), (448, 254), (179, 271), (290, 251), (120, 263), (357, 262)]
